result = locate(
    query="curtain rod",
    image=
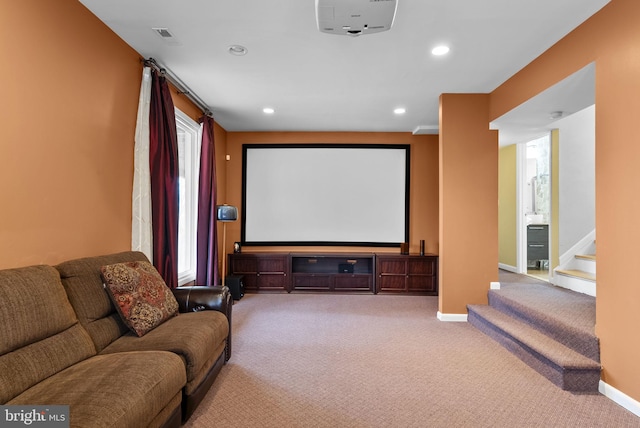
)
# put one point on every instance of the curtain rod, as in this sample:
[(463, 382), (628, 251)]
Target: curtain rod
[(180, 86)]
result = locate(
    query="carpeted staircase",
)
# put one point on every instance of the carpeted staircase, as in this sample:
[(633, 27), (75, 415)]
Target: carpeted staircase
[(549, 328)]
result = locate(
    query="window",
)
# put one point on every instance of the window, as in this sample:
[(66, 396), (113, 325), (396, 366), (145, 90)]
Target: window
[(189, 139)]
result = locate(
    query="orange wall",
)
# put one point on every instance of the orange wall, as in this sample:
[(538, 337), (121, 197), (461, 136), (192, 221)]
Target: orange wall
[(182, 103), (69, 103), (468, 202), (68, 112), (423, 186), (611, 38)]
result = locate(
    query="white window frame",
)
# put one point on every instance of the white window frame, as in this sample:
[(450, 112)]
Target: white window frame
[(189, 142)]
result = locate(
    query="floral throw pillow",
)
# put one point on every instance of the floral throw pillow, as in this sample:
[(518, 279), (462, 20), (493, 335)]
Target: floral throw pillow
[(140, 294)]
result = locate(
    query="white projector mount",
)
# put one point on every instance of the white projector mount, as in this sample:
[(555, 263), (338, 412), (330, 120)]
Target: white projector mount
[(355, 17)]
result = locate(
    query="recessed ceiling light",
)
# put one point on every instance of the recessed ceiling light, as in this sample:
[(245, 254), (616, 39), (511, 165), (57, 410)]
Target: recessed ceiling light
[(400, 110), (440, 50), (237, 50), (268, 110)]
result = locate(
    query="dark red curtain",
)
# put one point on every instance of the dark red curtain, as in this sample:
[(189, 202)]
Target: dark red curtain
[(163, 162), (207, 245)]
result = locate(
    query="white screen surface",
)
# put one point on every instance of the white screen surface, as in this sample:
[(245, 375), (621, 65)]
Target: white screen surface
[(325, 194)]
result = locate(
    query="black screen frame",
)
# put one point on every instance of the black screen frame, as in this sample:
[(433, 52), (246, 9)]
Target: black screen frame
[(407, 165)]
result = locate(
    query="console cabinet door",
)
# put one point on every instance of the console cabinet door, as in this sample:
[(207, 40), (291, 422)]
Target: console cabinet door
[(261, 271), (402, 273), (421, 274), (355, 282), (313, 281), (392, 273), (247, 266), (273, 273)]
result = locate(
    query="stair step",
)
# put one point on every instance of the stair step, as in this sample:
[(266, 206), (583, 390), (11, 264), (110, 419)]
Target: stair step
[(575, 283), (563, 366), (586, 257), (577, 274), (563, 315), (582, 263)]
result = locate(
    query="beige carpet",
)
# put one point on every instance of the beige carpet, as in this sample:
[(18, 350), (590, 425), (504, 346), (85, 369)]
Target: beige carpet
[(338, 360)]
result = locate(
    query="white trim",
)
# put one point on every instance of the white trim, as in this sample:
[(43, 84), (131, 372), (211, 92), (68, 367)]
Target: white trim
[(578, 285), (494, 285), (619, 397), (452, 317), (508, 268), (578, 248), (189, 164), (521, 224)]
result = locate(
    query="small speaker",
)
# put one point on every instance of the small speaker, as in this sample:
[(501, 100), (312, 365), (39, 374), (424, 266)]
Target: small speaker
[(226, 213), (404, 248), (236, 286)]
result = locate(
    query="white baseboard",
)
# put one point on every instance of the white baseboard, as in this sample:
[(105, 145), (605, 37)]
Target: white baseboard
[(619, 398), (508, 268), (494, 285), (452, 317)]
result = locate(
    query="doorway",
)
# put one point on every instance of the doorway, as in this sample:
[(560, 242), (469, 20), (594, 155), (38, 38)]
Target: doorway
[(535, 207), (546, 115)]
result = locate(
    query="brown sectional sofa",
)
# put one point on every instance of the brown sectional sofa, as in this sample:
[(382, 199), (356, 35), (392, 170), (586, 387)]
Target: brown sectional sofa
[(63, 342)]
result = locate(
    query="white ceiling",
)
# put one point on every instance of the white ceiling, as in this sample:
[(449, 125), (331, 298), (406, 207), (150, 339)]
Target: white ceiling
[(322, 82), (535, 118)]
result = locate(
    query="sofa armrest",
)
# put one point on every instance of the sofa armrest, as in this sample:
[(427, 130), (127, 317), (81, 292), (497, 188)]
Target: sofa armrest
[(199, 298)]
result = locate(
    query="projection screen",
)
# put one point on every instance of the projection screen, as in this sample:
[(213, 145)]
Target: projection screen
[(325, 194)]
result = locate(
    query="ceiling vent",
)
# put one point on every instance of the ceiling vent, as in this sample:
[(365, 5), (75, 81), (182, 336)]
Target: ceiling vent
[(355, 17), (166, 36), (163, 32)]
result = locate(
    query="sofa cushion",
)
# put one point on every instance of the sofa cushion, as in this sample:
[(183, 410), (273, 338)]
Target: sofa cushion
[(140, 294), (118, 390), (195, 336), (83, 283), (41, 334)]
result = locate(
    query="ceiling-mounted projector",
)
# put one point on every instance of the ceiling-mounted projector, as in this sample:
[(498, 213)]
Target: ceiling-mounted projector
[(355, 17)]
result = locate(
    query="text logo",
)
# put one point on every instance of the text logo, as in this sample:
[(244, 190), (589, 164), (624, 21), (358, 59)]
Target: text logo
[(34, 416)]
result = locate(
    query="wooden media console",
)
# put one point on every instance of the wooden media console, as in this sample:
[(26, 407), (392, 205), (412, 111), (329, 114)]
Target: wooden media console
[(336, 272)]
